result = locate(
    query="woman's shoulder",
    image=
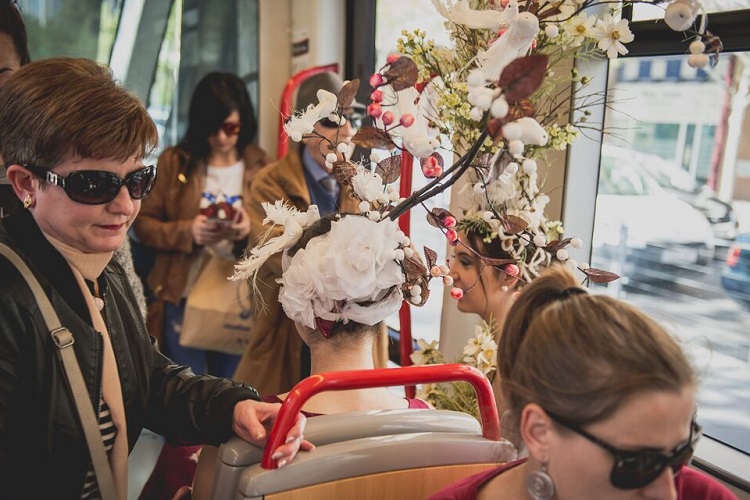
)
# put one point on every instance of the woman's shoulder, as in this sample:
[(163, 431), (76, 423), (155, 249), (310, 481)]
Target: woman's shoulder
[(417, 404), (173, 157), (692, 483), (468, 487)]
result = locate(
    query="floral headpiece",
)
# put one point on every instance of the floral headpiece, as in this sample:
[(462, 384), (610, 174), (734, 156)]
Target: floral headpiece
[(494, 94)]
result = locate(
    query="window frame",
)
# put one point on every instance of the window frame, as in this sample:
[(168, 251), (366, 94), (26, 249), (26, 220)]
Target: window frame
[(652, 38)]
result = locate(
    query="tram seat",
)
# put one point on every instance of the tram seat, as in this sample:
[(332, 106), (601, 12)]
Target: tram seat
[(370, 454)]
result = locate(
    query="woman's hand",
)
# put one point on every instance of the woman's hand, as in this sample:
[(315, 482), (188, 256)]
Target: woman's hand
[(207, 231), (240, 226), (252, 420)]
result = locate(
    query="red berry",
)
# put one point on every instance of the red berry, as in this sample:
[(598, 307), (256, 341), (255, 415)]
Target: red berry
[(392, 58), (376, 80), (428, 172), (374, 110), (533, 44), (457, 293), (452, 235), (387, 118), (407, 120), (438, 171), (431, 162), (376, 96), (449, 221), (511, 270)]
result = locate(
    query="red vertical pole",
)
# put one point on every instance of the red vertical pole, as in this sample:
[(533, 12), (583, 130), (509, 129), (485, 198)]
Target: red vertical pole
[(404, 315)]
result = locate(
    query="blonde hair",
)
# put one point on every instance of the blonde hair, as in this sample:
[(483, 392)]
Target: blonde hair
[(57, 108), (581, 355)]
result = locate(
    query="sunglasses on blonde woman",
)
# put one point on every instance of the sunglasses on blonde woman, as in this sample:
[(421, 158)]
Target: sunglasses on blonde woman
[(637, 468), (97, 187)]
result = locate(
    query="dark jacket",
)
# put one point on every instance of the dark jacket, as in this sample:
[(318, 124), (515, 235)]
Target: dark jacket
[(43, 452)]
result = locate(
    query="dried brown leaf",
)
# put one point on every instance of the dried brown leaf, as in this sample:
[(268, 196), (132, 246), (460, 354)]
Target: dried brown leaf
[(522, 77), (495, 128), (347, 93), (373, 138), (402, 74), (389, 169), (431, 256), (436, 215), (555, 245), (519, 110), (343, 171), (414, 267), (513, 224), (599, 275)]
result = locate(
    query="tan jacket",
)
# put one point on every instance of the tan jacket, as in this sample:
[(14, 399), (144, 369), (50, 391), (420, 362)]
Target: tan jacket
[(166, 219), (271, 361)]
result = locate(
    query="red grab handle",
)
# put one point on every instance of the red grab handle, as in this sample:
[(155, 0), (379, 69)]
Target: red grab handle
[(286, 101), (404, 223), (382, 377)]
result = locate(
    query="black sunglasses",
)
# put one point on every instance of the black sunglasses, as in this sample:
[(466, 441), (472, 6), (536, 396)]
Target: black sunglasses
[(636, 469), (355, 120), (96, 187)]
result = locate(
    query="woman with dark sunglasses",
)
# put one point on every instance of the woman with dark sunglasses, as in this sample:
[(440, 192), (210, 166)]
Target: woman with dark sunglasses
[(73, 142), (603, 398), (199, 207)]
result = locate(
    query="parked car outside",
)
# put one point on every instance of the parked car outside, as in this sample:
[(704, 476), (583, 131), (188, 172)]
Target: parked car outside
[(735, 275), (640, 226), (675, 179)]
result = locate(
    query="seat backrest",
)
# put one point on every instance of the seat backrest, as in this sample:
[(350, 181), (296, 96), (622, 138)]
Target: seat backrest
[(376, 441), (236, 454), (420, 462)]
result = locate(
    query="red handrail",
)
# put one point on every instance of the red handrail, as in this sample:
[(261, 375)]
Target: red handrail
[(382, 377), (285, 106)]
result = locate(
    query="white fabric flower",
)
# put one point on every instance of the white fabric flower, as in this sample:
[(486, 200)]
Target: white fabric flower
[(368, 186), (351, 264), (612, 35), (580, 28)]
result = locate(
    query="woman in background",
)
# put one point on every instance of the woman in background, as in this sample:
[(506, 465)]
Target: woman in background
[(603, 398), (215, 162)]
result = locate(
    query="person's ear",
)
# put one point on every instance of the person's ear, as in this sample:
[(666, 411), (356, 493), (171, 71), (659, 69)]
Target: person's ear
[(24, 183), (536, 431)]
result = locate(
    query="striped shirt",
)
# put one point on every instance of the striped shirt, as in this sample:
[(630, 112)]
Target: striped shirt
[(109, 432)]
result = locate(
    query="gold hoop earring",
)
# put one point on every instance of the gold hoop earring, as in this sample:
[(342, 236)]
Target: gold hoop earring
[(28, 201)]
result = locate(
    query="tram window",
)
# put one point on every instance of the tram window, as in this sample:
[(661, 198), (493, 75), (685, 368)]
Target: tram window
[(81, 28), (683, 245)]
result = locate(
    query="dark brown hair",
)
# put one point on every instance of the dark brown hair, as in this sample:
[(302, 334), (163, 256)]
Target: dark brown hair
[(62, 107), (11, 23), (581, 355)]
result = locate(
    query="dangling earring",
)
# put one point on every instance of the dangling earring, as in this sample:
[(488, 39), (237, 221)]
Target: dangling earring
[(28, 201), (539, 484)]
